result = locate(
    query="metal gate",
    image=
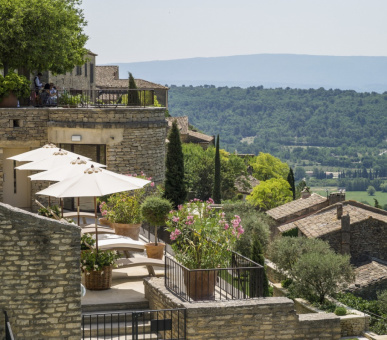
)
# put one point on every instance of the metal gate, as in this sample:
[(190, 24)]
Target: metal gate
[(164, 324)]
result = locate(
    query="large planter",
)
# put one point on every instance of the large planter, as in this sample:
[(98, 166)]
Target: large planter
[(99, 280), (129, 230), (104, 221), (155, 252), (200, 284), (9, 101)]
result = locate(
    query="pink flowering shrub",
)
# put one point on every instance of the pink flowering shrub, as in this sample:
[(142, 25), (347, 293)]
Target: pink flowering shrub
[(202, 236)]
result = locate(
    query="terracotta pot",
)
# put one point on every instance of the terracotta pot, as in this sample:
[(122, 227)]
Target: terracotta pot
[(104, 221), (99, 280), (200, 284), (9, 101), (129, 230), (155, 252)]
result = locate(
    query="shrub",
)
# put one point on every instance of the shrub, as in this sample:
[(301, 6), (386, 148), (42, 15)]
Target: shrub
[(286, 283), (340, 311)]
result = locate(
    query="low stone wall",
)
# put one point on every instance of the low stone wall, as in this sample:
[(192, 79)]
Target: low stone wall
[(40, 276), (263, 318)]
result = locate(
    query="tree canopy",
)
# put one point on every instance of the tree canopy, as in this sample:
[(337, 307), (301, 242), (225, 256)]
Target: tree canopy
[(266, 166), (45, 35)]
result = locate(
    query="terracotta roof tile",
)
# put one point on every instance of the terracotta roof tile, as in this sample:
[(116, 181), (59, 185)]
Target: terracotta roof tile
[(240, 184), (182, 123), (368, 273), (202, 136), (325, 221), (295, 206)]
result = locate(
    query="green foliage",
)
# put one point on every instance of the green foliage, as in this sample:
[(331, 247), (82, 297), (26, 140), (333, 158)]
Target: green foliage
[(68, 99), (216, 192), (200, 168), (299, 173), (291, 182), (291, 233), (286, 283), (371, 190), (266, 166), (96, 261), (155, 211), (255, 224), (257, 256), (42, 35), (133, 98), (87, 242), (47, 211), (18, 85), (271, 193), (340, 311), (175, 189), (203, 237)]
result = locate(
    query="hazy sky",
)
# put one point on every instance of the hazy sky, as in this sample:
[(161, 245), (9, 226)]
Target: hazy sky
[(144, 30)]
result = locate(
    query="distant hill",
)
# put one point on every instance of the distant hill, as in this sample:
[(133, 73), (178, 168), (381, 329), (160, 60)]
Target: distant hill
[(362, 74)]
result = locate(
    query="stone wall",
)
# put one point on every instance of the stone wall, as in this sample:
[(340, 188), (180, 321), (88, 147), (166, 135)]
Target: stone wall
[(134, 137), (40, 276), (264, 318)]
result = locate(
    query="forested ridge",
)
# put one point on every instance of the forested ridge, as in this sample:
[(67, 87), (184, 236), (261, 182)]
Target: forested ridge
[(293, 124)]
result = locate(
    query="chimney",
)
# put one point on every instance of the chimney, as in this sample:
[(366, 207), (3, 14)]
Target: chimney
[(305, 193), (345, 235), (339, 211), (336, 197)]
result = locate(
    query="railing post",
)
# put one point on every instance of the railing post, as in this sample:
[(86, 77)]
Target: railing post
[(8, 329)]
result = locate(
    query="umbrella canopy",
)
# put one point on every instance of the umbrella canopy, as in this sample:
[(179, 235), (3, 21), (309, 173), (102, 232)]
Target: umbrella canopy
[(56, 159), (36, 154), (73, 168), (94, 182)]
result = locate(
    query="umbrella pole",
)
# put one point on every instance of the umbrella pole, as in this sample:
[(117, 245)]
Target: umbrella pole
[(61, 206), (78, 210), (96, 228), (49, 197)]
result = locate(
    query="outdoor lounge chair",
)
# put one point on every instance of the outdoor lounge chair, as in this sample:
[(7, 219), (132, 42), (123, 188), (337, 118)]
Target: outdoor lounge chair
[(140, 261)]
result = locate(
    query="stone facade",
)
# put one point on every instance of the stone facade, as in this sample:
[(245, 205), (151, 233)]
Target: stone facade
[(134, 137), (40, 276), (264, 318)]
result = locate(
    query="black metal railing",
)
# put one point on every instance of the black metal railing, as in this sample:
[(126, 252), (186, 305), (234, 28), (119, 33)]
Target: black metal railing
[(94, 98), (164, 324), (8, 329), (243, 279)]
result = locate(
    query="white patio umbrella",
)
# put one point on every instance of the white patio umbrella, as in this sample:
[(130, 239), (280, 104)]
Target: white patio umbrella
[(36, 154), (75, 167), (56, 159), (94, 182)]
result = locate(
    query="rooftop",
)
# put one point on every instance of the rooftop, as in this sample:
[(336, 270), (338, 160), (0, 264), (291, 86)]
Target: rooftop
[(182, 123), (326, 221), (296, 206)]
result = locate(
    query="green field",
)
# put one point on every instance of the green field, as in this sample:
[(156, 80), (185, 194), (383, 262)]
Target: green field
[(360, 196)]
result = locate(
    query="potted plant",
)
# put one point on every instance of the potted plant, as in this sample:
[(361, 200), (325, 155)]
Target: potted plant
[(155, 211), (98, 267), (12, 87), (87, 243), (66, 99), (203, 239)]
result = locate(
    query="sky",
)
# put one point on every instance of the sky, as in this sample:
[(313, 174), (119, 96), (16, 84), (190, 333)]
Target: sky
[(145, 30)]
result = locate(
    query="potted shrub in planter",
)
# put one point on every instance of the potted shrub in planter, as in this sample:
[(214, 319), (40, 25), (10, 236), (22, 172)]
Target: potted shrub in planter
[(203, 239), (97, 267), (12, 87), (87, 243), (155, 211)]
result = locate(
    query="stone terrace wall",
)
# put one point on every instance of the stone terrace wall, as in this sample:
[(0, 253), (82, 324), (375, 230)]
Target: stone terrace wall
[(269, 318), (39, 276)]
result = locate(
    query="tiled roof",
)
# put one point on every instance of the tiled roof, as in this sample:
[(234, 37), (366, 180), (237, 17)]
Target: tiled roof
[(295, 206), (182, 123), (369, 273), (240, 184), (325, 221), (108, 76), (202, 136)]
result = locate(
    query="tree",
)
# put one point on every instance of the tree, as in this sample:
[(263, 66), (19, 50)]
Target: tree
[(371, 190), (44, 35), (271, 193), (266, 166), (175, 189), (290, 180), (377, 205), (257, 256), (299, 173), (216, 193), (133, 97)]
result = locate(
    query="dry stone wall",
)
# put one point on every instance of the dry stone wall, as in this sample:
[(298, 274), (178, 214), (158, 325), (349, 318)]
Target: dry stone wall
[(39, 276), (263, 318)]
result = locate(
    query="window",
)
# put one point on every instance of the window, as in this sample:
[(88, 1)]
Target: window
[(85, 69), (79, 70), (91, 73)]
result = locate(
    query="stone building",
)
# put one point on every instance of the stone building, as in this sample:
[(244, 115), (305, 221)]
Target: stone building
[(107, 77), (126, 139), (354, 229), (190, 136)]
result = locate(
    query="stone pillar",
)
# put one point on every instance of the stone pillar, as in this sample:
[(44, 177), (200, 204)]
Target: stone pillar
[(339, 213)]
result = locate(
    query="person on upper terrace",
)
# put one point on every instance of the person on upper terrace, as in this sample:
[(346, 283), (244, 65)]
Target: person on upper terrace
[(37, 83)]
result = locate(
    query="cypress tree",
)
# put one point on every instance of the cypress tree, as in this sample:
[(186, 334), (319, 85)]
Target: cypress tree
[(216, 192), (175, 190), (257, 256), (290, 179), (133, 96)]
